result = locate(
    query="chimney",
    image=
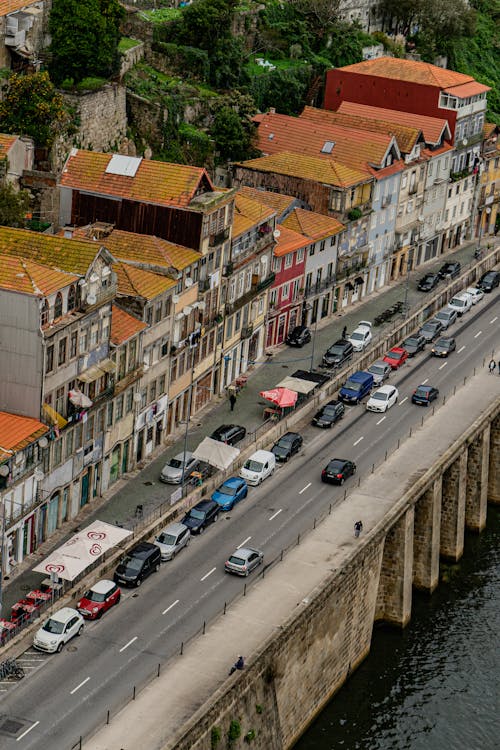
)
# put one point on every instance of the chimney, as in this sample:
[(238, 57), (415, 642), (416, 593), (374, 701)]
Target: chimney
[(272, 110), (68, 232)]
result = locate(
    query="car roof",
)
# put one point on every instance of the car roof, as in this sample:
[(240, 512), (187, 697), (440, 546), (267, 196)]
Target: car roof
[(103, 586), (396, 349), (63, 615), (232, 482), (204, 505), (385, 389), (289, 436), (244, 552), (174, 528), (425, 387), (363, 325), (142, 549), (460, 295), (446, 312), (180, 456), (262, 455), (379, 363), (338, 460)]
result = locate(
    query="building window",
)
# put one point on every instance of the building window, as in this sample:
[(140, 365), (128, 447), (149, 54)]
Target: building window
[(84, 337), (73, 345), (322, 246), (149, 315), (49, 360), (229, 327), (71, 298), (300, 255), (94, 335), (285, 291), (78, 437), (45, 313), (272, 297), (276, 265), (109, 416), (57, 452), (158, 312), (119, 407), (152, 391), (60, 400), (312, 250), (89, 428), (288, 260), (69, 443), (61, 359), (161, 385), (58, 305), (129, 405)]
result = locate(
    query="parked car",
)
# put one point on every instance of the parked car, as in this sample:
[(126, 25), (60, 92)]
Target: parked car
[(201, 515), (414, 344), (288, 444), (299, 336), (243, 561), (424, 394), (339, 353), (138, 564), (338, 470), (461, 303), (172, 539), (230, 492), (380, 371), (229, 433), (60, 628), (396, 357), (489, 281), (383, 398), (430, 330), (476, 294), (449, 270), (428, 282), (329, 414), (443, 346), (446, 317), (98, 599), (361, 336), (258, 467), (178, 467), (356, 387)]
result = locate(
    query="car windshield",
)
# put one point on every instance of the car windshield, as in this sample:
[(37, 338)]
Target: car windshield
[(488, 277), (236, 560), (285, 441), (54, 626), (411, 342), (457, 302), (377, 369), (336, 466), (94, 596), (428, 327), (380, 396), (444, 314), (394, 354), (422, 392), (168, 539), (132, 563), (336, 349), (357, 336), (252, 465), (329, 410), (444, 343), (174, 463), (198, 515), (352, 385), (225, 490)]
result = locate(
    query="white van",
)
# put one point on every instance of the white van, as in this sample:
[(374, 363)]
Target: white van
[(461, 303), (258, 467)]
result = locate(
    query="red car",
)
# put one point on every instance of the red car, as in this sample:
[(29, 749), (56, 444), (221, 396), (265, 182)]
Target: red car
[(101, 597), (396, 357)]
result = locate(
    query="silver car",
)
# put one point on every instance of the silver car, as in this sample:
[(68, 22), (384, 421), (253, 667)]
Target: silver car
[(243, 561), (380, 371), (446, 317), (172, 539), (172, 471)]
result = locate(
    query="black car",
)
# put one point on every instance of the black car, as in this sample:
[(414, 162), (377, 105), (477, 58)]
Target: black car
[(299, 336), (338, 470), (430, 330), (444, 346), (229, 433), (329, 414), (489, 281), (201, 515), (339, 352), (287, 445), (428, 282), (138, 564), (414, 344), (424, 394), (449, 270)]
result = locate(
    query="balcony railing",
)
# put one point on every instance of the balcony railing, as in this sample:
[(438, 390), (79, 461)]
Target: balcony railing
[(264, 283), (218, 238), (319, 287), (247, 331)]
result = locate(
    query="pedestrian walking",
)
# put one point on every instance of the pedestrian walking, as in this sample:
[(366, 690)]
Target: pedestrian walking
[(344, 332), (492, 366), (232, 401), (358, 528)]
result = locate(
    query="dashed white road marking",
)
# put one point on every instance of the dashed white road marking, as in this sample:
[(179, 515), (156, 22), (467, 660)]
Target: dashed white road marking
[(26, 731), (275, 514), (79, 686), (208, 574), (494, 319), (358, 441), (443, 365), (477, 334), (461, 349), (244, 542), (425, 381), (403, 400), (304, 488), (381, 420), (170, 607), (129, 643)]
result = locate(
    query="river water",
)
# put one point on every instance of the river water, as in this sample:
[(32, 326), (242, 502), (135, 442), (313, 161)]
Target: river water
[(435, 685)]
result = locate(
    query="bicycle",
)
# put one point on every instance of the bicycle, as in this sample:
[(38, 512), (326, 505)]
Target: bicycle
[(10, 668)]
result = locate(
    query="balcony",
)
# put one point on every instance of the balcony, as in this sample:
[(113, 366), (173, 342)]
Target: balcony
[(128, 378), (203, 285), (247, 331), (264, 283), (218, 238), (227, 270), (319, 287), (387, 200)]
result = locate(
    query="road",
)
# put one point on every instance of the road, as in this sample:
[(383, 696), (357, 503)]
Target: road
[(63, 696)]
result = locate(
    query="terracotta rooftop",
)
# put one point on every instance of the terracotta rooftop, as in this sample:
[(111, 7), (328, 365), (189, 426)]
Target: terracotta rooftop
[(148, 250), (17, 432), (124, 326), (408, 70), (27, 277), (249, 213), (312, 225), (433, 128), (6, 142), (353, 147), (9, 6), (155, 182), (316, 169), (279, 202), (73, 255), (468, 89), (288, 241), (136, 282)]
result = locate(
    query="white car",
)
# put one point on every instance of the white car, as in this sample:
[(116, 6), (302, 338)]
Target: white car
[(383, 398), (461, 303), (476, 294), (361, 336), (258, 467), (60, 628), (178, 467)]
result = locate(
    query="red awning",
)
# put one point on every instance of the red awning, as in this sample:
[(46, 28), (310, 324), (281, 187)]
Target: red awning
[(282, 397)]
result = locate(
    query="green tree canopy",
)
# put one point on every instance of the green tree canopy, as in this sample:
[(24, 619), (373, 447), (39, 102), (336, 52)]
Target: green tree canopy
[(13, 206), (85, 38), (32, 106)]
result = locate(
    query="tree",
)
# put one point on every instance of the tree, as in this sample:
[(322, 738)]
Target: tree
[(232, 139), (13, 206), (85, 38), (32, 106)]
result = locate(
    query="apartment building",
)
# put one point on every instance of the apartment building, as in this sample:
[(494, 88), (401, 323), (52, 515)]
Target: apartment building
[(286, 298)]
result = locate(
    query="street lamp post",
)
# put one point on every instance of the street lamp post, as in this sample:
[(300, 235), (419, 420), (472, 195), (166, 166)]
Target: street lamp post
[(193, 342)]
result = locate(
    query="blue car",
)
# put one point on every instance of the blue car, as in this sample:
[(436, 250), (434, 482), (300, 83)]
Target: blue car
[(231, 492)]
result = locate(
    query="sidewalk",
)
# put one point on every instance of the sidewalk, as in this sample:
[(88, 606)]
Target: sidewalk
[(143, 486)]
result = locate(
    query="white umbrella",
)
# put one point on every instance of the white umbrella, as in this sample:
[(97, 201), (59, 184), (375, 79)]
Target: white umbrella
[(78, 398)]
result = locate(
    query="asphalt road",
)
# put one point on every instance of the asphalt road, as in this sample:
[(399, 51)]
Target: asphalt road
[(66, 695)]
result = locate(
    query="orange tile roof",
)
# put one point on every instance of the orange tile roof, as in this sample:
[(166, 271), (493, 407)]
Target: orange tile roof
[(431, 127), (9, 6), (6, 142), (468, 89), (279, 202), (356, 148), (149, 250), (248, 213), (311, 168), (408, 70), (312, 225), (124, 326), (288, 241), (489, 129), (75, 256), (27, 277), (17, 432), (133, 281), (155, 182), (405, 135)]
